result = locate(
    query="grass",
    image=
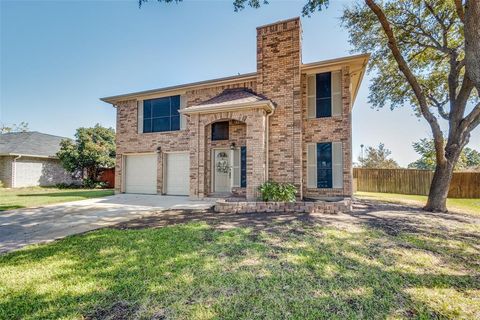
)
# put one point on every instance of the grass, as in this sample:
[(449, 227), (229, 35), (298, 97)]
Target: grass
[(469, 206), (37, 196), (297, 270)]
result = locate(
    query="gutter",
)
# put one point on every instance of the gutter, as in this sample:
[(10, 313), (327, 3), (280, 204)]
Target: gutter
[(27, 155), (14, 170), (267, 149)]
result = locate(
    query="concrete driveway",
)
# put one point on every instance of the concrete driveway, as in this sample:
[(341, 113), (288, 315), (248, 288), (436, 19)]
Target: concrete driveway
[(26, 226)]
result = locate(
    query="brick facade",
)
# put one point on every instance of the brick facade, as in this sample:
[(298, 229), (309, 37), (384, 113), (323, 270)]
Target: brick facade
[(277, 142)]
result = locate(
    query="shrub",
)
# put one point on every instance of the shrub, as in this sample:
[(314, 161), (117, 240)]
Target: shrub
[(92, 184), (278, 192), (68, 185)]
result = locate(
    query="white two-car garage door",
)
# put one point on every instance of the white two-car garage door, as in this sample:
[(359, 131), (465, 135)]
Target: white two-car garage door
[(177, 173), (141, 173)]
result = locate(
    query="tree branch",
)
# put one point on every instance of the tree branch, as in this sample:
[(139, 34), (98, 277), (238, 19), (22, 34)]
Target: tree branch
[(472, 41), (460, 10), (472, 120), (412, 80), (440, 106)]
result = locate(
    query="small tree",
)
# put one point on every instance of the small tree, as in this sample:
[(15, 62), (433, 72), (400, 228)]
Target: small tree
[(469, 159), (93, 149), (377, 158)]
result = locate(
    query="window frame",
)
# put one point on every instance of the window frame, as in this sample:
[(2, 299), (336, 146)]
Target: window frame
[(337, 163), (336, 94), (174, 115)]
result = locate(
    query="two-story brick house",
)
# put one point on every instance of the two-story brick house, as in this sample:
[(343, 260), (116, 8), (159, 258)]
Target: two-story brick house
[(286, 122)]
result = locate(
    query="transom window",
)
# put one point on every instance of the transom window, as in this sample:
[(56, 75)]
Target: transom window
[(161, 114), (220, 130)]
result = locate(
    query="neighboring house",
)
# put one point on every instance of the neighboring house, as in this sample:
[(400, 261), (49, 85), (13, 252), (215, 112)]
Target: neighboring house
[(29, 159), (287, 122)]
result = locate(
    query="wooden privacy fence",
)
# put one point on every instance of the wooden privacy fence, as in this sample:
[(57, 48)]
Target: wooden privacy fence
[(410, 181), (108, 176)]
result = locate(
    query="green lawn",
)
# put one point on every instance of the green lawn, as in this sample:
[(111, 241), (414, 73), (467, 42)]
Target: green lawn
[(294, 270), (470, 206), (32, 197)]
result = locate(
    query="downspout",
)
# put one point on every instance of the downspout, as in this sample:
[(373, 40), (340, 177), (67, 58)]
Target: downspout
[(267, 144), (14, 169)]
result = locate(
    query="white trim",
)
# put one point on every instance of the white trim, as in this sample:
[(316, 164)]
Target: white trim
[(28, 155), (267, 105), (138, 153)]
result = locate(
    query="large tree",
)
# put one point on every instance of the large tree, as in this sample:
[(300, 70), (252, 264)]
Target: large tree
[(419, 55), (92, 150), (426, 54)]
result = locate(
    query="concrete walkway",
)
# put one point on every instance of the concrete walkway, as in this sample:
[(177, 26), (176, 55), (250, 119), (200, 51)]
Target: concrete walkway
[(26, 226)]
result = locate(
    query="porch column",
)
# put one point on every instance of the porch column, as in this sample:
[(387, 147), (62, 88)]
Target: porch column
[(195, 144), (256, 126)]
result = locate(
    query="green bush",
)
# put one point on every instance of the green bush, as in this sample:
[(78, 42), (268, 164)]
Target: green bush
[(93, 184), (278, 192), (68, 185)]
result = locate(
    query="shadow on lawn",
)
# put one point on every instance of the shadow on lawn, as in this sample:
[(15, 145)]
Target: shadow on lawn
[(10, 207), (73, 193), (241, 267)]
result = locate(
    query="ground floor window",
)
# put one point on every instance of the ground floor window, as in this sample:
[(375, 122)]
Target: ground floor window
[(325, 165)]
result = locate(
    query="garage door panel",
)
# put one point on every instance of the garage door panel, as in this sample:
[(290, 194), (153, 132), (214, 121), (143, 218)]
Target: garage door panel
[(177, 174), (141, 174)]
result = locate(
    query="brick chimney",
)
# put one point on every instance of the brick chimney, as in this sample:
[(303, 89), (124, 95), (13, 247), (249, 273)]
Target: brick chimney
[(278, 78)]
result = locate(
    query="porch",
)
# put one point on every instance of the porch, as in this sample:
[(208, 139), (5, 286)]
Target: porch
[(229, 143)]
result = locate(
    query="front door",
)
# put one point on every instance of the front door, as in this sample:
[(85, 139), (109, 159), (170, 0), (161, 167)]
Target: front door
[(221, 171)]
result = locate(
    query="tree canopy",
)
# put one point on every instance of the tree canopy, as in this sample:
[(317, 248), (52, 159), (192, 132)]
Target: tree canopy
[(469, 158), (377, 158), (93, 149)]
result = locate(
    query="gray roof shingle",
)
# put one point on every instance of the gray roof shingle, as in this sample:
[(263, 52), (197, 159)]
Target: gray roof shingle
[(30, 143), (233, 96)]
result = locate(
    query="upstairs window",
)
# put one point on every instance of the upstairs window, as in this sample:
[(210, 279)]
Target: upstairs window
[(220, 130), (160, 115), (324, 94)]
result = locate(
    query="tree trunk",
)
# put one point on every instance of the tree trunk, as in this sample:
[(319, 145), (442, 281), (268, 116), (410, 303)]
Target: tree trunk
[(437, 197)]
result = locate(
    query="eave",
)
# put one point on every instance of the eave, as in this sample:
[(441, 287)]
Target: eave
[(214, 108)]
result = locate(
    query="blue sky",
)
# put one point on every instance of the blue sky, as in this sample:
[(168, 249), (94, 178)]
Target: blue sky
[(57, 58)]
